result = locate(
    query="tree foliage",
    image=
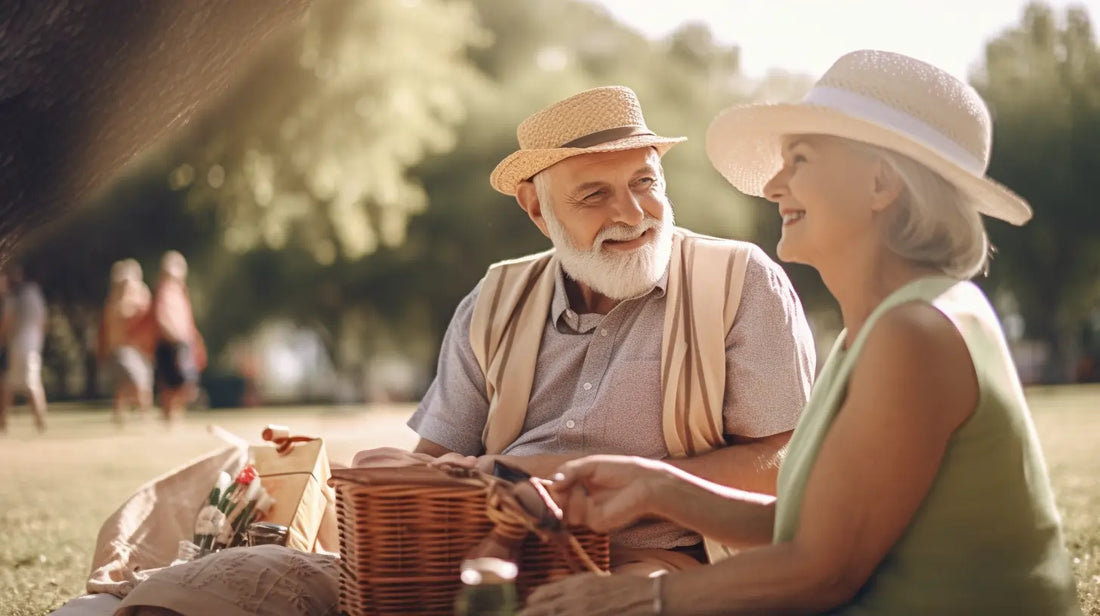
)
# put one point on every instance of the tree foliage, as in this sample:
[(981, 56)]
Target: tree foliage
[(312, 147), (1042, 81)]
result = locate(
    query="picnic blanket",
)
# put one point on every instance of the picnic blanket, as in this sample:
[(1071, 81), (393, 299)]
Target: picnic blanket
[(143, 535)]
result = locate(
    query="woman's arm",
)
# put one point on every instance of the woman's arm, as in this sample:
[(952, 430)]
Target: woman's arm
[(912, 387), (607, 493)]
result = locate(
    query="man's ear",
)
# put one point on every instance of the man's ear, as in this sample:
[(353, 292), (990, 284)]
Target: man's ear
[(528, 199), (887, 188)]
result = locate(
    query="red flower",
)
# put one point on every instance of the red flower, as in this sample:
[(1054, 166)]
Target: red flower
[(247, 474)]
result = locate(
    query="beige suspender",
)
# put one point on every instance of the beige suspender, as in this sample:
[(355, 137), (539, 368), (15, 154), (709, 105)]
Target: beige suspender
[(703, 294), (505, 333)]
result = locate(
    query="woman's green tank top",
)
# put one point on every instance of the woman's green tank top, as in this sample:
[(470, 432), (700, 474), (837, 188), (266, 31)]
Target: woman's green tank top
[(987, 538)]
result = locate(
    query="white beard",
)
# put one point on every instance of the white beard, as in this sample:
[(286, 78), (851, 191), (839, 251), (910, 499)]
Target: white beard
[(613, 274)]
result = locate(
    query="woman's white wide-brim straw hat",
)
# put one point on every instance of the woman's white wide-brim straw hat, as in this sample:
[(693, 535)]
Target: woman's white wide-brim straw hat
[(881, 98), (607, 119)]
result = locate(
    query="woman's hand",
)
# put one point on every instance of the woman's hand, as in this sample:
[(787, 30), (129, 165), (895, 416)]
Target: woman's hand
[(593, 595), (607, 493)]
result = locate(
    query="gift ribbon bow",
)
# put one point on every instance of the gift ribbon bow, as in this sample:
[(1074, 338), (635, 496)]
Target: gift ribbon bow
[(280, 436)]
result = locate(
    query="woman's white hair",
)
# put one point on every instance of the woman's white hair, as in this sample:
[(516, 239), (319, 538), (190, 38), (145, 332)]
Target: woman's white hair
[(933, 222)]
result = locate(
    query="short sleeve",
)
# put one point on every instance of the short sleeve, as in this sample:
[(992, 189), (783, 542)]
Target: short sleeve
[(770, 356), (455, 407)]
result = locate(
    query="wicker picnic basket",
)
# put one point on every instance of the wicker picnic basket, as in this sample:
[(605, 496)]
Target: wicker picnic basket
[(405, 531)]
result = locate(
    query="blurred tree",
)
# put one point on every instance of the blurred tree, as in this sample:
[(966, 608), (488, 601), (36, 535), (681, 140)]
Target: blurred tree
[(312, 146), (1042, 81)]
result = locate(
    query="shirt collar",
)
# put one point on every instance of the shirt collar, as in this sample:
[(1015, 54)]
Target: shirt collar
[(559, 305)]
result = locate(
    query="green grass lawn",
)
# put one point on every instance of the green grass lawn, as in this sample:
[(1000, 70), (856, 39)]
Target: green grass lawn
[(58, 488)]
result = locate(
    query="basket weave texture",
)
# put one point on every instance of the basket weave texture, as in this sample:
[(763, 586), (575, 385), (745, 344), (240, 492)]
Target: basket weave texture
[(404, 533)]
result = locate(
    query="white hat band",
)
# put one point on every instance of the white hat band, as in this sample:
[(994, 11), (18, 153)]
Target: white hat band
[(880, 113)]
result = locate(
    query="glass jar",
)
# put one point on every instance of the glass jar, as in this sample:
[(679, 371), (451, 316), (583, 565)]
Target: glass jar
[(488, 588), (265, 533)]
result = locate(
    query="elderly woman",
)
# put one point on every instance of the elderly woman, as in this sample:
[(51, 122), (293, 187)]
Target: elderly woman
[(914, 483)]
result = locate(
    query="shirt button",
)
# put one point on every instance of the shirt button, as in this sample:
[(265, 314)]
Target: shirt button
[(571, 314), (570, 423), (587, 386), (603, 332)]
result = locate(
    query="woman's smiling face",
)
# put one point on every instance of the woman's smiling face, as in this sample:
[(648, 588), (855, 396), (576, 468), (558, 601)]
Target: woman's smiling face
[(826, 193)]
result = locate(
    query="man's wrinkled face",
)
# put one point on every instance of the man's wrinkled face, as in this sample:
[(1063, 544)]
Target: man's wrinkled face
[(609, 220)]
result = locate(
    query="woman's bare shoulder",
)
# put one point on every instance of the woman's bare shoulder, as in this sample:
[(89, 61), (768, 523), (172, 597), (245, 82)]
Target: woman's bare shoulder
[(916, 357)]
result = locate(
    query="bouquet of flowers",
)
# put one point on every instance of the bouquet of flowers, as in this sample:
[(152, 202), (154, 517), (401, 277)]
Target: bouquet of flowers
[(233, 504)]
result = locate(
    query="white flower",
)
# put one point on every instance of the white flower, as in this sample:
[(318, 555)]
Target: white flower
[(218, 491), (223, 481)]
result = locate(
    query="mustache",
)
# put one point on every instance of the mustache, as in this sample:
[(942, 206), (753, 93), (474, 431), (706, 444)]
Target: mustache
[(622, 233)]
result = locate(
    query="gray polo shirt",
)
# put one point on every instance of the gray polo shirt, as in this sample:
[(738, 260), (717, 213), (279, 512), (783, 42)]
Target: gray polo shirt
[(597, 386)]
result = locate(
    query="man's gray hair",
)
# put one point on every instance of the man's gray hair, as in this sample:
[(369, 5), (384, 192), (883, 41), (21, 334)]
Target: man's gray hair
[(541, 180), (933, 222)]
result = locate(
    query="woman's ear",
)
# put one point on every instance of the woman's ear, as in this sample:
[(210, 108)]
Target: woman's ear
[(888, 186), (528, 199)]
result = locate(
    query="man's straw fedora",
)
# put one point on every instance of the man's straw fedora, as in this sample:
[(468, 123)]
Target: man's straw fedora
[(881, 98), (607, 119)]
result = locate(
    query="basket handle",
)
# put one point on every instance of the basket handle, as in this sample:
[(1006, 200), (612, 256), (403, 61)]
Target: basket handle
[(511, 519)]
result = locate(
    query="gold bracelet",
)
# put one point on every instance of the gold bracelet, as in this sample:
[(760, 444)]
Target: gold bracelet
[(658, 600)]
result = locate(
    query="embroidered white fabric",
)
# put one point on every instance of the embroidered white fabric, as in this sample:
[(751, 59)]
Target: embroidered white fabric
[(266, 580)]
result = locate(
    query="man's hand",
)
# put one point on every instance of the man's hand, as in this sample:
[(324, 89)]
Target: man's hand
[(483, 463), (542, 465), (608, 493), (389, 457)]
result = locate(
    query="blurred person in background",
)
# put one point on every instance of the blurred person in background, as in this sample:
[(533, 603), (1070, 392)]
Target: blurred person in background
[(127, 305), (179, 352), (23, 330)]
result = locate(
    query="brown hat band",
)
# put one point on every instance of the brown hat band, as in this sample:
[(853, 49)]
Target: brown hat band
[(610, 134)]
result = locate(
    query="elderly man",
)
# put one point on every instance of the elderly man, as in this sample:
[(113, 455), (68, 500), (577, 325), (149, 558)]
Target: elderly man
[(631, 336)]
